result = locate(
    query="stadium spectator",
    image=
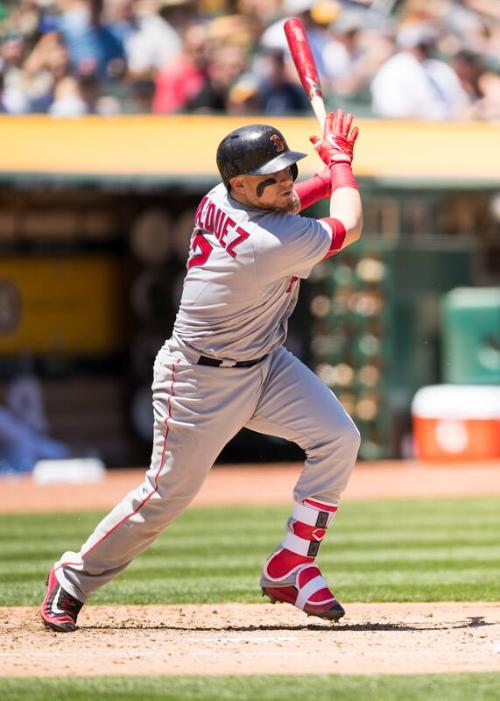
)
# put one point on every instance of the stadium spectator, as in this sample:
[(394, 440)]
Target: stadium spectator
[(24, 430), (462, 29), (68, 100), (23, 18), (112, 56), (181, 13), (12, 53), (315, 22), (276, 93), (360, 43), (182, 78), (92, 46), (24, 395), (487, 107), (46, 65), (236, 30), (413, 84), (149, 41), (468, 69), (225, 65), (76, 96), (264, 11), (142, 92), (343, 50), (243, 96), (21, 446)]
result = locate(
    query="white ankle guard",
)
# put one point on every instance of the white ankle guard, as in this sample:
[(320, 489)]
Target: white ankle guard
[(307, 528)]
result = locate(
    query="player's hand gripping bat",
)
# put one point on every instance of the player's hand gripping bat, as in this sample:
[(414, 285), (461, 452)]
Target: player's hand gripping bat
[(339, 138)]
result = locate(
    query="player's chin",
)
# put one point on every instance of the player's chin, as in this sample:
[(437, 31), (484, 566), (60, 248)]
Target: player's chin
[(285, 202)]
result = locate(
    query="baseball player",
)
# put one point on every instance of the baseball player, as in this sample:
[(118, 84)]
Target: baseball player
[(225, 367)]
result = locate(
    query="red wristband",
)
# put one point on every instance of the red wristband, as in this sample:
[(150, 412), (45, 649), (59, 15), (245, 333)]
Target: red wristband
[(311, 191), (342, 176), (338, 235)]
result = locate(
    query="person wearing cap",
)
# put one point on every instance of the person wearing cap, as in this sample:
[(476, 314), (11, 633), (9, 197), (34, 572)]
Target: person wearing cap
[(315, 14), (413, 84)]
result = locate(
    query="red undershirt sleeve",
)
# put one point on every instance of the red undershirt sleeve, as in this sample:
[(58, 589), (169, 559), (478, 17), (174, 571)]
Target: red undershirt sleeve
[(312, 190)]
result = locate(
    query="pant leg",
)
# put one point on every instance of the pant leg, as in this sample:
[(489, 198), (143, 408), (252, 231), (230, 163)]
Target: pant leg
[(296, 405), (197, 410)]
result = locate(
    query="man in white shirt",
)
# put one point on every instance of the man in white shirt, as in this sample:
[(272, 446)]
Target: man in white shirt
[(413, 85)]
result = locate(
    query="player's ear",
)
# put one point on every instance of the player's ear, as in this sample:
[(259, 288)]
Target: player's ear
[(236, 184)]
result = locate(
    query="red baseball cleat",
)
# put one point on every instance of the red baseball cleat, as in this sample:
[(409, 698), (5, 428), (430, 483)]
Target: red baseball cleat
[(59, 609), (305, 588)]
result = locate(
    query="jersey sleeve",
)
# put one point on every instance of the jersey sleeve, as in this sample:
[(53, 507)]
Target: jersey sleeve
[(290, 245)]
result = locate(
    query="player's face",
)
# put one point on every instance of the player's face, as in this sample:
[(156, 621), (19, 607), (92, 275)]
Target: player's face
[(273, 191)]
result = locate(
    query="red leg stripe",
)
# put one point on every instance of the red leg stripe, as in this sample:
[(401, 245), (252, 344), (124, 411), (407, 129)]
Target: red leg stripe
[(157, 475)]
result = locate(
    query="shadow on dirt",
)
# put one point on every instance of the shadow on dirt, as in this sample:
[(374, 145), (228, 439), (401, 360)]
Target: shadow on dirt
[(470, 622)]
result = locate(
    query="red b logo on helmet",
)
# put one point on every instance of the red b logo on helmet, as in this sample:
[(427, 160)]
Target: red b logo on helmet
[(278, 142)]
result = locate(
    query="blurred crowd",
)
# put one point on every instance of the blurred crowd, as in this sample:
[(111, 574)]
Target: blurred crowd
[(436, 60)]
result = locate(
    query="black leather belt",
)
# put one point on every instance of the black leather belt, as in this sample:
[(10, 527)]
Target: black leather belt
[(216, 363)]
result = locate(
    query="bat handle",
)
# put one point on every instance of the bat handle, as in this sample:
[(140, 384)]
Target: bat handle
[(319, 110)]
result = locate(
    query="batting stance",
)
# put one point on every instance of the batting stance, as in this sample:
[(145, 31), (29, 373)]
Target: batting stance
[(225, 367)]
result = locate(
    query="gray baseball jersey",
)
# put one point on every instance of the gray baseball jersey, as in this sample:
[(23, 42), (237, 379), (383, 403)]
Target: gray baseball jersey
[(241, 286), (240, 289)]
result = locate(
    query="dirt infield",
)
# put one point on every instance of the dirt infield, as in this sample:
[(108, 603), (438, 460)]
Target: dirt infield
[(257, 638)]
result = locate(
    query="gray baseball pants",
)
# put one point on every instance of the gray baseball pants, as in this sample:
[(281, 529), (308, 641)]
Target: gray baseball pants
[(197, 410)]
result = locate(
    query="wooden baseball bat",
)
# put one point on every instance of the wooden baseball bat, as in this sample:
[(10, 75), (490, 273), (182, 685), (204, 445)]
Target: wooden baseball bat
[(306, 67)]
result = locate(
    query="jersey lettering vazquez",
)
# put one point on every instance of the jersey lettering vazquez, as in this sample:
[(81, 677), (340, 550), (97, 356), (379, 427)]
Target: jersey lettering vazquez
[(242, 280)]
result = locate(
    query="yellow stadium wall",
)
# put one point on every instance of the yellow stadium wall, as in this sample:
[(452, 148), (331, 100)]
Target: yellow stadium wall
[(184, 145), (61, 305)]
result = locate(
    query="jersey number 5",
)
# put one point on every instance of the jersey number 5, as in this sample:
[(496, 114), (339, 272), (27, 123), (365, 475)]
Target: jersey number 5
[(201, 249)]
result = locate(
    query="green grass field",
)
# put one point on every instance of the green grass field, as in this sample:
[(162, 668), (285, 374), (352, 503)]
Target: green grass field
[(377, 551), (449, 687)]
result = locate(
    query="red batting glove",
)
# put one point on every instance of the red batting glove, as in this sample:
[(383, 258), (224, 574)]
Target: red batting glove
[(337, 144)]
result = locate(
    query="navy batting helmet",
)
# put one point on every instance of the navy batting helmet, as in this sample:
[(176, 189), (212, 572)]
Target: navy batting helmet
[(257, 149)]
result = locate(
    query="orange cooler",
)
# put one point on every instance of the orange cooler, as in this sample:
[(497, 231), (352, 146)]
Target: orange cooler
[(456, 422)]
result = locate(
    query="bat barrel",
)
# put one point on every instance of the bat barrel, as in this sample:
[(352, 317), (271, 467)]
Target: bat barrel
[(303, 59)]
